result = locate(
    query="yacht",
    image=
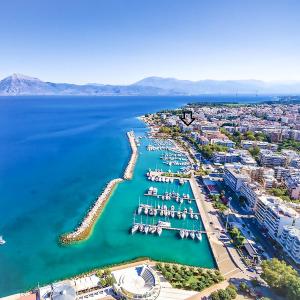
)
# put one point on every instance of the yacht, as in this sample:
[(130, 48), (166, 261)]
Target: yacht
[(192, 234), (2, 241), (199, 236), (172, 214), (146, 210), (196, 217), (183, 216), (159, 230), (141, 228), (134, 228), (186, 233), (146, 229), (140, 209), (181, 233), (164, 224)]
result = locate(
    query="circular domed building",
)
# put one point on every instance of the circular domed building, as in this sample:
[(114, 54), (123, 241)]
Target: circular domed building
[(137, 283)]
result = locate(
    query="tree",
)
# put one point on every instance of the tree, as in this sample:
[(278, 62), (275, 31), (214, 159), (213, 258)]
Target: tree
[(249, 135), (243, 287), (281, 277), (215, 296), (254, 151), (231, 290), (224, 295)]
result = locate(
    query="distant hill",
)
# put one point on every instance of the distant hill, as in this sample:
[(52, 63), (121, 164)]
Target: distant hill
[(221, 86), (18, 84)]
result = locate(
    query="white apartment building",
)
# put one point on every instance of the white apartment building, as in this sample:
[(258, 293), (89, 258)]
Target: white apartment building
[(272, 213), (251, 191), (270, 159), (290, 241), (234, 178), (247, 144)]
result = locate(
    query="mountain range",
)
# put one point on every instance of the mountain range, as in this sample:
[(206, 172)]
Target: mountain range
[(18, 84)]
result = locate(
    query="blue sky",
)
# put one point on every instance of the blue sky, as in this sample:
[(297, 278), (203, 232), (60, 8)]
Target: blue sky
[(119, 42)]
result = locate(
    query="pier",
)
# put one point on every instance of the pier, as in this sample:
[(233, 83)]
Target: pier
[(172, 228), (161, 197), (130, 167)]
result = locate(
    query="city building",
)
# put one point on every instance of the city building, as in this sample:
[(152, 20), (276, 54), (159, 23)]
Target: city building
[(290, 241), (273, 214), (269, 158), (234, 178)]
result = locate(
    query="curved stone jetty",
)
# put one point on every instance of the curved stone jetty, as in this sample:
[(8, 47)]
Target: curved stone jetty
[(85, 228)]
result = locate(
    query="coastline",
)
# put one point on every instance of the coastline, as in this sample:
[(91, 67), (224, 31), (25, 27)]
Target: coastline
[(85, 229)]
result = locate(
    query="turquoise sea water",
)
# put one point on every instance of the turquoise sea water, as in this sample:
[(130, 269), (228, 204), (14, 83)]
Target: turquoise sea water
[(56, 155)]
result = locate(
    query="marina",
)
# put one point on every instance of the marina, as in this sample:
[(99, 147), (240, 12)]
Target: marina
[(181, 214)]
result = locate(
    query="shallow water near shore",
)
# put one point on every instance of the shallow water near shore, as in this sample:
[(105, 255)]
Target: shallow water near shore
[(56, 155)]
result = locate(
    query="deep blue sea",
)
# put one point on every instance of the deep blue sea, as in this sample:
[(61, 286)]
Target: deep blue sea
[(56, 154)]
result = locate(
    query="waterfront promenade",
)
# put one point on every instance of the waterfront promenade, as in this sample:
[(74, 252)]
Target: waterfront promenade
[(85, 228)]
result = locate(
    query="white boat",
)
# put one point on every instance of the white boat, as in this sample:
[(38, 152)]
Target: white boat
[(146, 229), (186, 233), (146, 210), (141, 228), (140, 209), (196, 217), (155, 212), (181, 200), (181, 233), (2, 241), (153, 229), (159, 230), (134, 228), (183, 216), (191, 215), (172, 207), (172, 214), (192, 234), (199, 236), (164, 224)]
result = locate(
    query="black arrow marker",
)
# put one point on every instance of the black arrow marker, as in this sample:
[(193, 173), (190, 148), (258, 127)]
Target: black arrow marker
[(187, 118)]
